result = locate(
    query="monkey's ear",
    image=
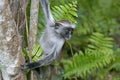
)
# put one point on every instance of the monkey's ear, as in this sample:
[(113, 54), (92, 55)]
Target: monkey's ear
[(57, 25)]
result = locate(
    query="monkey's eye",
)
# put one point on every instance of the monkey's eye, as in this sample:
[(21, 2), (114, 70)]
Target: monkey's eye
[(57, 25), (66, 30)]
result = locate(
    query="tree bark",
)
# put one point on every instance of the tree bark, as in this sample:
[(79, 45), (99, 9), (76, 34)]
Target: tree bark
[(33, 30), (11, 56), (33, 23)]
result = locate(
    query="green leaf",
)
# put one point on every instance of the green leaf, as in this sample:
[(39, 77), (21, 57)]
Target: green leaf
[(36, 53)]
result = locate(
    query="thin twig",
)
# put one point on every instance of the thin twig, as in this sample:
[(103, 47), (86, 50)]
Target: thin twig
[(70, 47), (27, 33)]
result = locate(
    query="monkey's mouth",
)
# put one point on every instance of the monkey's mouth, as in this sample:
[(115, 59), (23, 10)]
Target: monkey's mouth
[(68, 38)]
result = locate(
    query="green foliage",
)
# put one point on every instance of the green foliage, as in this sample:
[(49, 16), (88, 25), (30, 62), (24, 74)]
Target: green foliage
[(83, 64), (99, 41), (98, 15), (67, 11), (116, 64), (36, 53), (96, 56)]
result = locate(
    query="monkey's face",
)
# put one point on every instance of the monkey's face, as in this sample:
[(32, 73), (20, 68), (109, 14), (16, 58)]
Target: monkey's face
[(67, 33), (65, 30)]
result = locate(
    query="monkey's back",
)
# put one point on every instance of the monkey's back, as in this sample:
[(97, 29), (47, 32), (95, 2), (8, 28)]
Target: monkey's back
[(50, 42)]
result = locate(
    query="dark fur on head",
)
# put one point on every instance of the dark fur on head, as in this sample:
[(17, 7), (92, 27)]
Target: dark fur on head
[(64, 28)]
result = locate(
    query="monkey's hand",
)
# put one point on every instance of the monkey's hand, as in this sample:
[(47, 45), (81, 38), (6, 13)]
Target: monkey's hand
[(25, 66), (31, 65)]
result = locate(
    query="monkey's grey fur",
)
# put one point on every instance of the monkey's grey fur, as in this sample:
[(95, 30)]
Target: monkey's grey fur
[(52, 39)]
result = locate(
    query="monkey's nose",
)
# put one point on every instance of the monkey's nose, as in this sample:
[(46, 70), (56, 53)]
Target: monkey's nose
[(68, 38)]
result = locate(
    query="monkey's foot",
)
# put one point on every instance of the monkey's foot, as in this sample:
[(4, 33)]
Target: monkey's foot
[(25, 66)]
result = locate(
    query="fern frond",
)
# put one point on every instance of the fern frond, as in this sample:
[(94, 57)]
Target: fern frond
[(36, 53), (84, 63), (116, 64), (67, 11), (98, 54), (98, 40)]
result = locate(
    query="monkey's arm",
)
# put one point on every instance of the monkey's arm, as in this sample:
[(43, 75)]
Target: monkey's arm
[(48, 15)]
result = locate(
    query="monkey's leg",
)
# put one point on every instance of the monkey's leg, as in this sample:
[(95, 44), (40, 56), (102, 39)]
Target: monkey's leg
[(46, 61)]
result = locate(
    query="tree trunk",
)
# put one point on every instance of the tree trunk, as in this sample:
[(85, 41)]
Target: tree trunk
[(10, 43)]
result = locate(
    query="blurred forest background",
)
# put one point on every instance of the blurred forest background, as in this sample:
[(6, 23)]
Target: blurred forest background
[(93, 53)]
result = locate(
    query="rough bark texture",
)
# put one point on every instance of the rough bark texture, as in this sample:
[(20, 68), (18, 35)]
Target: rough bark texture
[(33, 23), (17, 9), (33, 29), (10, 45)]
